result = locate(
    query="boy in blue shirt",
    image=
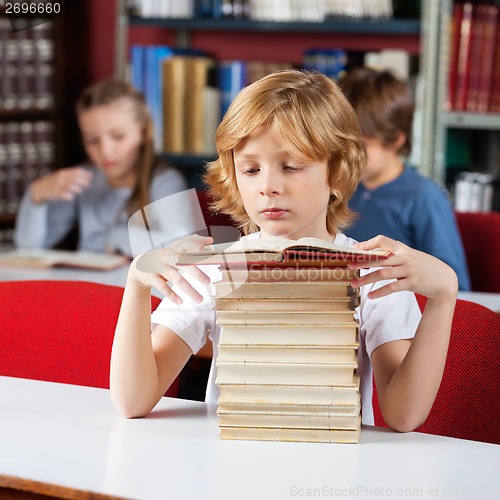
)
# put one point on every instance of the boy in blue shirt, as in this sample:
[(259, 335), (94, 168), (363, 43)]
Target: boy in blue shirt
[(392, 198)]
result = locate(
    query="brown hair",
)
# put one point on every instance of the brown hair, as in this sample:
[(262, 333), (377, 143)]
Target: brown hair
[(314, 122), (384, 104), (107, 92)]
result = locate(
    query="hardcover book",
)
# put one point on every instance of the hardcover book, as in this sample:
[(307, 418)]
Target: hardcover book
[(305, 251)]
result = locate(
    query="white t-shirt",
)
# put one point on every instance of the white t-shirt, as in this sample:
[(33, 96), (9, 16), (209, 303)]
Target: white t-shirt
[(382, 320)]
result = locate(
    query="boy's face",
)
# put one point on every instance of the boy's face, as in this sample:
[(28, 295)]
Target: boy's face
[(384, 163), (113, 137), (285, 197)]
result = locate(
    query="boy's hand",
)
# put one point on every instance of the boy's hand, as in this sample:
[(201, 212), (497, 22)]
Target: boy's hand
[(413, 270), (157, 267)]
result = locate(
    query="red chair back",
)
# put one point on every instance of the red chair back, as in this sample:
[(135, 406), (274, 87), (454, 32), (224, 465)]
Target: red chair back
[(480, 234), (467, 405), (60, 331)]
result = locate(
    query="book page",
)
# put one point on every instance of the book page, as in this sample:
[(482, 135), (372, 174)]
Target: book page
[(45, 258)]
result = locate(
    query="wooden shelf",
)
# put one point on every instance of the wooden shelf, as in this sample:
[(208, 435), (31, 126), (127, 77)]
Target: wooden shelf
[(483, 121), (186, 160), (399, 27)]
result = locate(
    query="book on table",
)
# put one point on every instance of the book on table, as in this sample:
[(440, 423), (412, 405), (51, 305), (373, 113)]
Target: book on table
[(288, 352), (339, 334), (313, 373), (47, 258), (283, 317), (281, 394), (328, 435)]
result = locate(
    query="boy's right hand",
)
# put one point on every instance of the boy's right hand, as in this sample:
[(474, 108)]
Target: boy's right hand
[(63, 184), (160, 268)]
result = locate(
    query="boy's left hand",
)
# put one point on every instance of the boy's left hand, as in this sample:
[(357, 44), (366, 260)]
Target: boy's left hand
[(411, 269)]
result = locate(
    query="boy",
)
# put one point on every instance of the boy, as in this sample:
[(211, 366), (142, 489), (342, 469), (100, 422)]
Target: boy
[(393, 199), (290, 156)]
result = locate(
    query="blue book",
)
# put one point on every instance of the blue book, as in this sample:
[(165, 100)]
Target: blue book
[(232, 77), (137, 66)]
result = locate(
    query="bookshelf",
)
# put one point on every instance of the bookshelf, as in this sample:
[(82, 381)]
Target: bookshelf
[(30, 103), (248, 39), (438, 122)]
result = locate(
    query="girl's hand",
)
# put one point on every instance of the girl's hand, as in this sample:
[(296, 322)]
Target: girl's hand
[(157, 267), (64, 184), (413, 270)]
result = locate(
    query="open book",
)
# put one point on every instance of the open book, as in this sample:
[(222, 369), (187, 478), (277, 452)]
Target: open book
[(280, 251), (42, 258)]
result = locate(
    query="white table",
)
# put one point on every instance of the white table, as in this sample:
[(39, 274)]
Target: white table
[(489, 300), (116, 277), (71, 436)]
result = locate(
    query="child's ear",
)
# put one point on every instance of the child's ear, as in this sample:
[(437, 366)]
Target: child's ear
[(399, 142)]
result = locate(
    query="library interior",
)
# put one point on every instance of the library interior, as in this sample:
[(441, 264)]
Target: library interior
[(115, 120)]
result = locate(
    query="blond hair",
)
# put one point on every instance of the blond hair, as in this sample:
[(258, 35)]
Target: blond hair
[(107, 92), (314, 122)]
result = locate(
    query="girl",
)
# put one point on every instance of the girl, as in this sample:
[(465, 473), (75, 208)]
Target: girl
[(123, 177), (290, 155)]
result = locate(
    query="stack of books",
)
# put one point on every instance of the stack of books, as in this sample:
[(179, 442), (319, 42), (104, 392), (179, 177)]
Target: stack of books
[(287, 363)]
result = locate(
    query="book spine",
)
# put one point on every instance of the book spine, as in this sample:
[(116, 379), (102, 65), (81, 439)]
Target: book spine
[(3, 170), (473, 75), (464, 58), (454, 51), (494, 98)]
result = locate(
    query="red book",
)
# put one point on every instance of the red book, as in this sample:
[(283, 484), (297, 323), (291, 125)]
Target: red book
[(464, 58), (494, 101), (490, 27), (476, 45), (454, 49)]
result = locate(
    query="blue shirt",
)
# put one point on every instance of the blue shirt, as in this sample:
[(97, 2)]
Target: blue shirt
[(416, 211)]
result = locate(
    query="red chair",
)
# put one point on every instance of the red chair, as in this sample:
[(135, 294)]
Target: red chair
[(467, 405), (60, 331), (480, 234), (220, 225)]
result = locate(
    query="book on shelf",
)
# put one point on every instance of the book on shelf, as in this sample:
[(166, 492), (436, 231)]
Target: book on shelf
[(487, 57), (201, 101), (291, 434), (174, 100), (494, 97), (46, 258), (476, 43), (239, 372), (463, 57), (287, 354), (474, 57), (304, 251)]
